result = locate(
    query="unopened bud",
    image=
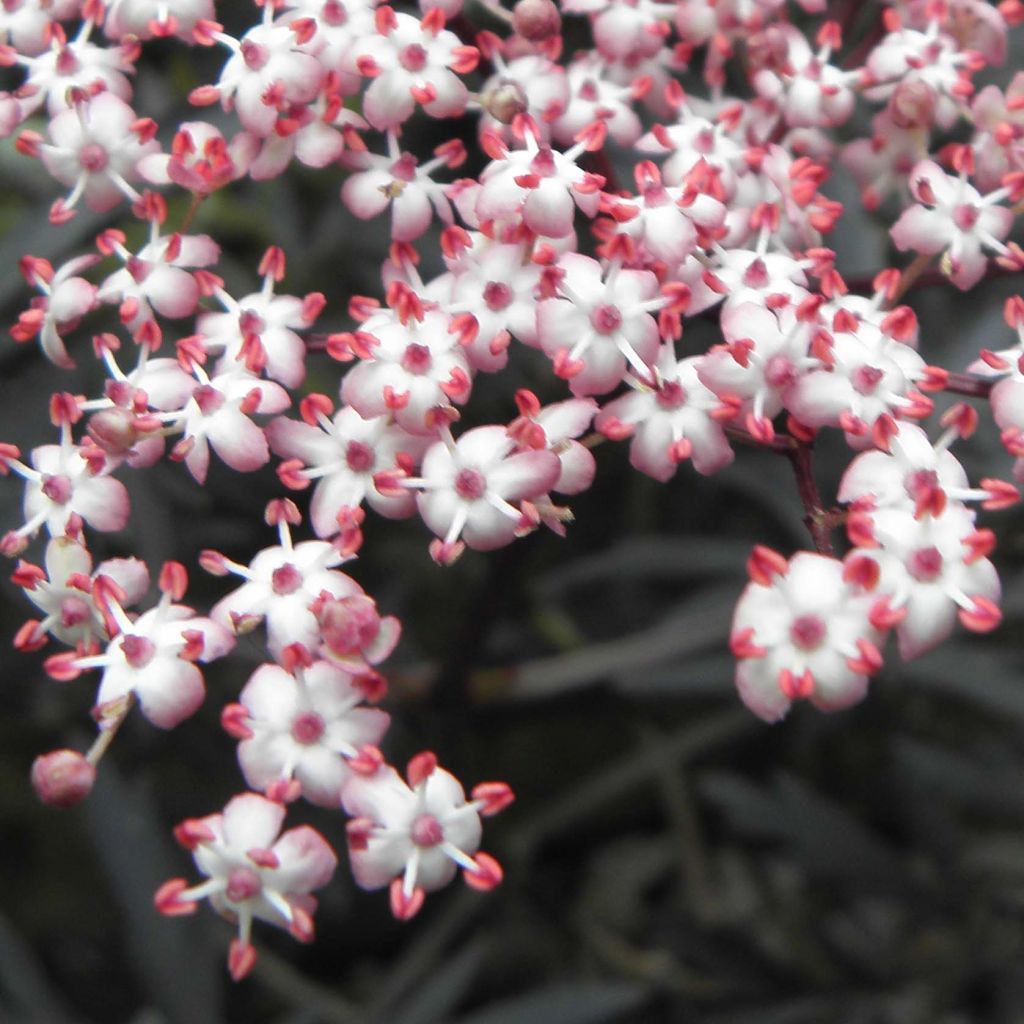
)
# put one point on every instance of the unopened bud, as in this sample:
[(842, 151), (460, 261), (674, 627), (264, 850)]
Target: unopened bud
[(505, 101), (536, 20), (113, 430), (912, 104), (62, 778)]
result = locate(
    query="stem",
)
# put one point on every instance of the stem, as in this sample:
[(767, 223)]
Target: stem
[(108, 730), (909, 276), (190, 213), (969, 386), (817, 519)]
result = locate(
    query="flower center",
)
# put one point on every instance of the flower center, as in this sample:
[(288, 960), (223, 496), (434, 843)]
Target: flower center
[(92, 157), (57, 489), (921, 482), (807, 632), (285, 579), (779, 372), (497, 295), (73, 612), (606, 319), (243, 884), (865, 379), (359, 457), (671, 395), (470, 484), (427, 831), (208, 398), (254, 55), (925, 564), (138, 651), (307, 728), (966, 216), (413, 57), (416, 358)]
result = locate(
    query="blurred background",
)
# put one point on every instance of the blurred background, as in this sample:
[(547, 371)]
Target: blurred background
[(669, 858)]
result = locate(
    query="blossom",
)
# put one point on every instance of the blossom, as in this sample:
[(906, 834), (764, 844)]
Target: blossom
[(414, 834), (804, 628), (252, 872), (299, 728)]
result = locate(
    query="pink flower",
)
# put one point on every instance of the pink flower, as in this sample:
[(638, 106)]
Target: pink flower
[(415, 835), (148, 19), (803, 628), (299, 729), (954, 219), (599, 324), (200, 160), (251, 872)]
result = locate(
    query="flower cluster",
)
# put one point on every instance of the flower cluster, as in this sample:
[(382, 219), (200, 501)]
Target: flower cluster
[(725, 218)]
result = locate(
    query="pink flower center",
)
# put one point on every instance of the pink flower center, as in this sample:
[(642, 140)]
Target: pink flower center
[(208, 398), (92, 157), (138, 651), (807, 632), (779, 372), (404, 168), (588, 91), (543, 164), (470, 484), (966, 216), (497, 295), (307, 728), (285, 579), (756, 275), (359, 457), (250, 322), (413, 57), (671, 395), (67, 61), (73, 612), (427, 831), (865, 379), (254, 55), (921, 483), (243, 884), (57, 488), (416, 358), (925, 564), (606, 319), (333, 13)]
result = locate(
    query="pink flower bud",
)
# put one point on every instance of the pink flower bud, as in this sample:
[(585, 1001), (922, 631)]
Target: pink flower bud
[(62, 778), (536, 20)]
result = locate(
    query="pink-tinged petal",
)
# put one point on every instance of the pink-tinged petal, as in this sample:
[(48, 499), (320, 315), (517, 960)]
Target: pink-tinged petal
[(130, 574), (172, 291), (923, 231), (271, 693), (382, 797), (819, 398), (549, 209), (649, 449), (525, 475), (386, 640), (307, 861), (333, 493), (1007, 400), (322, 774), (169, 691), (839, 688), (388, 102), (53, 346), (73, 298), (251, 821), (318, 145), (560, 324), (263, 757), (292, 439), (274, 157), (382, 860), (154, 168), (931, 617), (197, 251), (759, 691), (567, 419), (929, 183), (452, 94), (578, 469), (103, 503), (217, 639), (968, 267), (238, 441), (364, 194), (166, 384), (198, 459), (411, 214)]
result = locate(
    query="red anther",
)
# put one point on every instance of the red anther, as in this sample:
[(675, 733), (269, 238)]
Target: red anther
[(367, 761), (27, 576), (420, 768), (830, 34), (979, 544), (615, 430), (963, 417), (362, 307), (494, 796), (870, 660), (796, 687), (900, 323), (885, 428), (304, 29), (486, 876), (241, 959), (213, 562), (395, 400), (565, 367), (204, 96), (935, 379), (263, 858), (251, 401), (312, 306), (372, 685), (282, 510), (760, 428), (168, 899), (173, 580), (593, 136), (1013, 311), (860, 528), (983, 616), (291, 473), (65, 408), (315, 406), (193, 832), (527, 403), (295, 656), (63, 667), (273, 263), (466, 326), (764, 564), (195, 644), (861, 570), (883, 616), (424, 94), (1002, 494), (742, 644), (234, 720), (191, 351), (453, 151), (405, 907)]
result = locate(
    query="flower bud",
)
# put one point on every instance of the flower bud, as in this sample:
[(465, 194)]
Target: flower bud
[(912, 104), (504, 101), (62, 778), (536, 20), (113, 430)]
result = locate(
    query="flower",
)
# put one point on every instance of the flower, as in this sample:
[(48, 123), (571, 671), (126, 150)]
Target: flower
[(252, 872)]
